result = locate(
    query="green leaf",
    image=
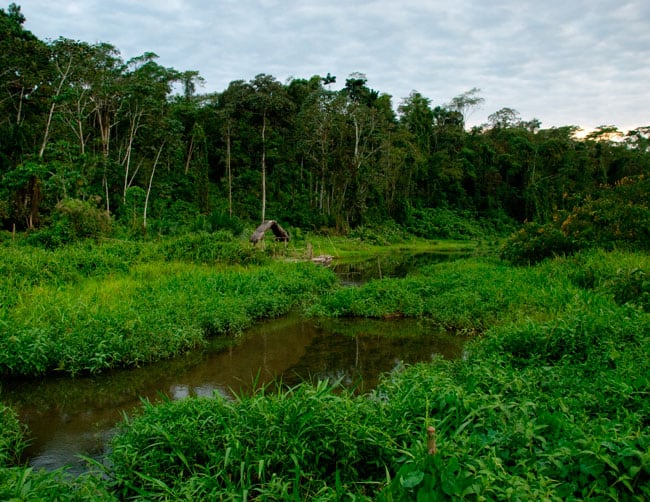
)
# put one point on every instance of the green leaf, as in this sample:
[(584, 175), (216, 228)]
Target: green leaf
[(411, 479)]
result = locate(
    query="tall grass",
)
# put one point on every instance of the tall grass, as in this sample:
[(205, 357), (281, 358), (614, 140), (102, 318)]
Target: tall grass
[(26, 483), (467, 295), (550, 403), (12, 440), (304, 443), (156, 310), (553, 410)]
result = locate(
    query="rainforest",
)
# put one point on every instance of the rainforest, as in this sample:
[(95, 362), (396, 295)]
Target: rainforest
[(127, 203)]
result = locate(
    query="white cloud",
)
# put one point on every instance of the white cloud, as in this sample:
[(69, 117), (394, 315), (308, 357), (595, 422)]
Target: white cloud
[(564, 62)]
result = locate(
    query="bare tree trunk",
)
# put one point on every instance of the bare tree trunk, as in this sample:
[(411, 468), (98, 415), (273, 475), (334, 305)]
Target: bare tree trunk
[(20, 106), (228, 168), (135, 125), (264, 167), (103, 119), (146, 199), (189, 155), (82, 139), (48, 122)]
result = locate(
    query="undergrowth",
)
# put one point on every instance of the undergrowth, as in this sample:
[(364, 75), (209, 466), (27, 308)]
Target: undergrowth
[(550, 402)]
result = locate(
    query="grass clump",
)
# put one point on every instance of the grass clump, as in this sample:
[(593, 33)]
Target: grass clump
[(468, 295), (156, 311), (303, 443), (12, 440)]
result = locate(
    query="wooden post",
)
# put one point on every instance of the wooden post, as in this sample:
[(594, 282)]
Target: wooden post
[(431, 440)]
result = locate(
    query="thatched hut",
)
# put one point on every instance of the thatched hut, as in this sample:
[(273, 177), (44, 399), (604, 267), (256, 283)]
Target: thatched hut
[(280, 233)]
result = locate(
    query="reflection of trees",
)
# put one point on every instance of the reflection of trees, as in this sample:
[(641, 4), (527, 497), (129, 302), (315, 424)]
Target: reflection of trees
[(356, 353), (394, 266), (285, 351)]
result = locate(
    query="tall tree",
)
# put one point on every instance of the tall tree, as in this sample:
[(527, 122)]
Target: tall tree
[(466, 102), (270, 103)]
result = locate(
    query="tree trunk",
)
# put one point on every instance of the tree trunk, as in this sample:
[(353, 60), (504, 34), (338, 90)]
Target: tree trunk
[(48, 122), (229, 172), (264, 166), (146, 199)]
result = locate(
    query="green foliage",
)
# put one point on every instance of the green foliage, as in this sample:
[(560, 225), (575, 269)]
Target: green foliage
[(624, 276), (618, 217), (549, 404), (203, 247), (468, 294), (535, 412), (337, 158), (534, 242), (157, 310), (380, 235), (219, 221), (442, 223), (72, 220), (302, 443), (12, 440), (26, 483)]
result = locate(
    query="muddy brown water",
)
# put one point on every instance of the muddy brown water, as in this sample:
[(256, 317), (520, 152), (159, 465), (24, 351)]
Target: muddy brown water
[(68, 417)]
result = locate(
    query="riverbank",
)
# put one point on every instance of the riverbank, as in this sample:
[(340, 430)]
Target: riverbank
[(550, 401)]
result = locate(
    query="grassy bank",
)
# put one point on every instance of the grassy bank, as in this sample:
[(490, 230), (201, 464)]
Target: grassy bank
[(551, 401), (91, 308)]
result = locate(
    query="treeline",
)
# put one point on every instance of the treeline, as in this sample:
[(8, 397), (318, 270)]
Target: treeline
[(85, 134)]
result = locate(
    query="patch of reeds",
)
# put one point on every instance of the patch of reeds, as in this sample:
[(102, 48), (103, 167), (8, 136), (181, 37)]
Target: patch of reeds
[(303, 443), (12, 440), (157, 310), (468, 295)]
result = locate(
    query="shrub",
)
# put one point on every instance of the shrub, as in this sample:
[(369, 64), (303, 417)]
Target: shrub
[(380, 235), (73, 220), (534, 242), (12, 440), (618, 217), (440, 223)]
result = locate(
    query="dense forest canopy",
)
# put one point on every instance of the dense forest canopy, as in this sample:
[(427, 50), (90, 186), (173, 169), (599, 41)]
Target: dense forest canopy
[(83, 131)]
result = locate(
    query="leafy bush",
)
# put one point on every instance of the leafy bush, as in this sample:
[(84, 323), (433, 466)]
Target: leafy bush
[(534, 242), (440, 223), (618, 217), (380, 235), (624, 276), (73, 220)]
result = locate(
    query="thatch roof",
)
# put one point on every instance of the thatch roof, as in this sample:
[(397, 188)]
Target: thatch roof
[(280, 233)]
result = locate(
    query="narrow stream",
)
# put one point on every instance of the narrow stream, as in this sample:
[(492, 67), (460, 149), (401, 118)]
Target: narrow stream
[(71, 417), (67, 417)]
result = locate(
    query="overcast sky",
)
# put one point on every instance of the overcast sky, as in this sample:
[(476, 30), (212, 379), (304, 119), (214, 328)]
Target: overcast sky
[(564, 62)]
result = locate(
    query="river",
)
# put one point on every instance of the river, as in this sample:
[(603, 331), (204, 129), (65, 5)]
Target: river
[(70, 417)]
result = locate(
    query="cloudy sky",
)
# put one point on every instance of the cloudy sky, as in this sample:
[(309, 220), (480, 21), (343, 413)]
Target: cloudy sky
[(564, 62)]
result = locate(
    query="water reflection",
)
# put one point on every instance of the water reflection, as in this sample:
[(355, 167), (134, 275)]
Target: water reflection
[(354, 273), (67, 417)]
